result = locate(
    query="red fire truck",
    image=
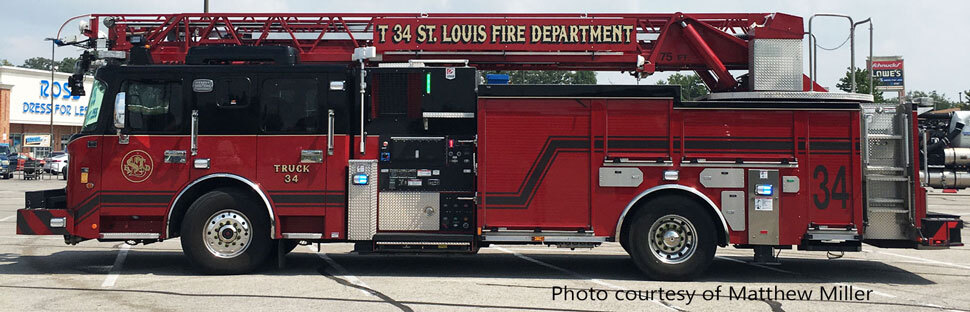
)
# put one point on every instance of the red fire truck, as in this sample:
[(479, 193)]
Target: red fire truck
[(247, 134)]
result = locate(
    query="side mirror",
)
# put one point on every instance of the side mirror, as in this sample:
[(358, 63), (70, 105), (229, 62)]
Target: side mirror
[(120, 110)]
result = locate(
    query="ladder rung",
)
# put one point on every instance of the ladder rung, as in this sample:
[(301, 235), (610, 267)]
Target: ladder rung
[(884, 137), (886, 210), (884, 168), (886, 200), (884, 178)]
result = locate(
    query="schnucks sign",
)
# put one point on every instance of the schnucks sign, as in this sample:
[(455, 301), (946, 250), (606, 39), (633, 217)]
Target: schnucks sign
[(500, 34), (888, 73)]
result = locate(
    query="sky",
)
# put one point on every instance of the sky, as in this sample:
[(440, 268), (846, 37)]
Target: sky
[(929, 35)]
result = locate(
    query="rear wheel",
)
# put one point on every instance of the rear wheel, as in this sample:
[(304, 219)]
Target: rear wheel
[(672, 238), (224, 232)]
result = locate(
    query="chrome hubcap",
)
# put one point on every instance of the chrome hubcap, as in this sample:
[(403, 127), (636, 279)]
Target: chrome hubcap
[(227, 234), (672, 239)]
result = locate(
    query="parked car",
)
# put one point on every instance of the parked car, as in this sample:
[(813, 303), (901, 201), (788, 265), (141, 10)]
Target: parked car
[(6, 171), (21, 159), (56, 162)]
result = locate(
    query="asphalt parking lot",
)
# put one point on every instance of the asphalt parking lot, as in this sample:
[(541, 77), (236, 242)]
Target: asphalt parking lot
[(42, 273)]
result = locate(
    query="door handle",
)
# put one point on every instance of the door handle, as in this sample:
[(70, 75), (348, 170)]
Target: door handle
[(330, 132)]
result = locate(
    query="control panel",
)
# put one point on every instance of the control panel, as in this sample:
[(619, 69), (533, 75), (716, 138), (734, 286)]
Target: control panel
[(457, 212), (427, 164), (763, 206)]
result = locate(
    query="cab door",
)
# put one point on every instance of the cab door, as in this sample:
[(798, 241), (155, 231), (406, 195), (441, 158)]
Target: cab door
[(145, 164), (294, 119)]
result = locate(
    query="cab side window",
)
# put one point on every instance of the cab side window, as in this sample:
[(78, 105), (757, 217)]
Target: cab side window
[(226, 108), (154, 106), (290, 106)]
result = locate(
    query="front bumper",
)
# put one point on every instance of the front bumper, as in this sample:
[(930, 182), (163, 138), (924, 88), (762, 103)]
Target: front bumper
[(45, 214), (44, 222)]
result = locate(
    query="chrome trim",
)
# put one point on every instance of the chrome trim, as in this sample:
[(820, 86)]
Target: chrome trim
[(330, 132), (789, 95), (58, 222), (254, 186), (311, 156), (129, 235), (425, 243), (447, 115), (302, 235), (577, 97), (710, 203), (337, 85), (671, 175), (731, 164), (637, 163), (546, 239), (200, 163), (174, 156), (194, 133)]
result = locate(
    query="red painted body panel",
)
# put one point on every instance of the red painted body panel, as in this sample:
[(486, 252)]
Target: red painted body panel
[(515, 133), (82, 201)]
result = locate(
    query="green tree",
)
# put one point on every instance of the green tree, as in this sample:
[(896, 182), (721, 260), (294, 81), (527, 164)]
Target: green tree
[(66, 65), (691, 86), (861, 83), (940, 101), (547, 76), (5, 62)]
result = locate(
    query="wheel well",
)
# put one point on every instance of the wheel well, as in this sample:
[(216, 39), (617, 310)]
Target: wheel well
[(642, 205), (195, 191)]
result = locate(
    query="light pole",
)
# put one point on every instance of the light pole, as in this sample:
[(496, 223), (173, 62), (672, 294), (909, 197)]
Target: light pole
[(54, 43)]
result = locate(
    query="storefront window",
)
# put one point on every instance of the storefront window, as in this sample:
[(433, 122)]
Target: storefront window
[(16, 141)]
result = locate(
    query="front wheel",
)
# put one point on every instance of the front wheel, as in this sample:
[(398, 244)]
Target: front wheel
[(225, 232), (672, 238)]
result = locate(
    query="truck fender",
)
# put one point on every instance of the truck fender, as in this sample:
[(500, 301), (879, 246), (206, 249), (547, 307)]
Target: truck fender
[(689, 191), (255, 188)]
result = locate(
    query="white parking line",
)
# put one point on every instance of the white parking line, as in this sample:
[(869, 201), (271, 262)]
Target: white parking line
[(925, 260), (577, 275), (342, 272), (7, 218), (112, 277)]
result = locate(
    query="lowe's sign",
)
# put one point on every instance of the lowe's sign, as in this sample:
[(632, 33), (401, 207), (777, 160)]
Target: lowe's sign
[(888, 71)]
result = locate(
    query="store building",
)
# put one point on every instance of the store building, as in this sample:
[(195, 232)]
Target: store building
[(25, 110)]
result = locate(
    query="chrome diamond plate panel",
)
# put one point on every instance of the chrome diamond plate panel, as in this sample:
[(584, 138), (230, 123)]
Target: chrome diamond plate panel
[(408, 211), (362, 201), (788, 95), (776, 64)]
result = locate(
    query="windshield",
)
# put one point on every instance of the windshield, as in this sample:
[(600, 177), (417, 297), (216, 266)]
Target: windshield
[(94, 107), (4, 150)]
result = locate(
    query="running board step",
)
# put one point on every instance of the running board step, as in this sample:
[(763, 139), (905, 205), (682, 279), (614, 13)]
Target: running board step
[(424, 243), (824, 238)]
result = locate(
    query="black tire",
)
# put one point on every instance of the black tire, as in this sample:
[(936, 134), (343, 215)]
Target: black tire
[(669, 214), (64, 173), (226, 202)]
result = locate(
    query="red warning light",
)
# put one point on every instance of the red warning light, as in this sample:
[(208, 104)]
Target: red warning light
[(451, 143)]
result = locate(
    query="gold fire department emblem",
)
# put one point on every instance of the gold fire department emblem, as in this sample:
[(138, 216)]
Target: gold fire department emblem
[(136, 166)]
